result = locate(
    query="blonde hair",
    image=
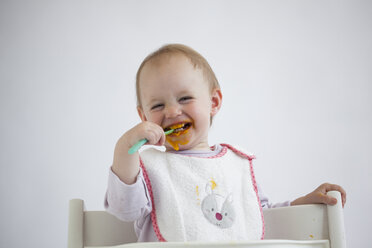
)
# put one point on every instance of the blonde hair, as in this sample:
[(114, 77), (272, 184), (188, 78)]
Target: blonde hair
[(196, 59)]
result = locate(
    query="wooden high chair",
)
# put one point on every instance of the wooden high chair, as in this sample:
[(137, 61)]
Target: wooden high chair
[(305, 226)]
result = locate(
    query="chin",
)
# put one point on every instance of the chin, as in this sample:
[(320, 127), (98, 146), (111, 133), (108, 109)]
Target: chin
[(181, 148)]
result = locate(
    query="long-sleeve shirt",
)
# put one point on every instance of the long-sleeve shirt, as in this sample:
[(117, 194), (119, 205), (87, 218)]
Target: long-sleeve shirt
[(132, 202)]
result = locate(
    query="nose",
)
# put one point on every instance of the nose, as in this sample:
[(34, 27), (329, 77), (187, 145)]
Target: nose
[(218, 216), (172, 111)]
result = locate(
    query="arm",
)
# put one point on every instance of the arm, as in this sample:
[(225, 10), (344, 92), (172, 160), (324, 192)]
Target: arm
[(126, 166), (127, 202), (319, 195), (127, 197), (265, 203)]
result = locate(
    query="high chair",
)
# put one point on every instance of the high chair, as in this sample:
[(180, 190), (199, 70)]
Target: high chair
[(304, 226)]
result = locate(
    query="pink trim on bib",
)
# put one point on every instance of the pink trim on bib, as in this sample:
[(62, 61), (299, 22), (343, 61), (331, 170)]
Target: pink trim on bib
[(220, 154), (153, 213), (250, 158)]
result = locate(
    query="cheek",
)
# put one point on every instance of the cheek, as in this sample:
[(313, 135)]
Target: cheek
[(202, 115), (154, 117)]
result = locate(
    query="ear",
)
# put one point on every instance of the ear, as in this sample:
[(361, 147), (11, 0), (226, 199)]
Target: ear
[(229, 198), (216, 99), (141, 113), (208, 188)]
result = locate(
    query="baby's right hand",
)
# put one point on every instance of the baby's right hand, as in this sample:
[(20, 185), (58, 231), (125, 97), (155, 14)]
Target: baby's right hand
[(126, 166), (145, 130)]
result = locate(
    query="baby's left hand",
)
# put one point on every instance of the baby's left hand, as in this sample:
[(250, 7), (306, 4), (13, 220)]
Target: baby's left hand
[(319, 195)]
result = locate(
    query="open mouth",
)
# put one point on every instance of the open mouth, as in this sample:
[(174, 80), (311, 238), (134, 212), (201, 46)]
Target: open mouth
[(179, 128)]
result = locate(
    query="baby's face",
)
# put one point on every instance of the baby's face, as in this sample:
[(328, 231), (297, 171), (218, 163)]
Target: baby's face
[(175, 94)]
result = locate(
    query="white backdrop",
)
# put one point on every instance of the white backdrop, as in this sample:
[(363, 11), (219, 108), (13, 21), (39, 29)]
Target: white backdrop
[(296, 78)]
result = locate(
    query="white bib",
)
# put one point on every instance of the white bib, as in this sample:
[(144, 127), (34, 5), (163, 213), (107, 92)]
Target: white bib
[(203, 199)]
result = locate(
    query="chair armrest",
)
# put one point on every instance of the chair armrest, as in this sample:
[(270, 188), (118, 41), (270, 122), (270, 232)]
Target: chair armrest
[(336, 227), (76, 224)]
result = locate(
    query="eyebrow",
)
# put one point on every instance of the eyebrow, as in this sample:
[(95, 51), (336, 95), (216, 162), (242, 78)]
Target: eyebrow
[(152, 101), (186, 92)]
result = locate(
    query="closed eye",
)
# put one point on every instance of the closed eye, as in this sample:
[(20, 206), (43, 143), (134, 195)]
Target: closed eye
[(157, 106), (185, 98)]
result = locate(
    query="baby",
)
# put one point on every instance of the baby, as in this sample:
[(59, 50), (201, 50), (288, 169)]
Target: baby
[(192, 191)]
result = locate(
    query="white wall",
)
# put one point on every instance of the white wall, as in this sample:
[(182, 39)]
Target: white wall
[(296, 78)]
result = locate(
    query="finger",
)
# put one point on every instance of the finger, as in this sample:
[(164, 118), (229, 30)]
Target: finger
[(344, 200), (161, 140), (325, 199), (161, 135), (330, 200), (343, 196), (158, 137), (330, 187), (152, 138)]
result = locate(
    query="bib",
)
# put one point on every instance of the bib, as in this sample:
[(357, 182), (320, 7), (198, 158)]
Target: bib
[(203, 199)]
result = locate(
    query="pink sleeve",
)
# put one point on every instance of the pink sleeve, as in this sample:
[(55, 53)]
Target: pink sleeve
[(127, 202)]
